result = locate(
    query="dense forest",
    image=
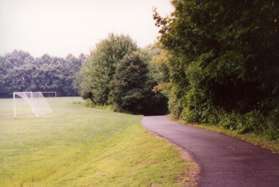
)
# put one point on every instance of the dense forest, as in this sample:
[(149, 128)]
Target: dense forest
[(19, 71), (222, 58)]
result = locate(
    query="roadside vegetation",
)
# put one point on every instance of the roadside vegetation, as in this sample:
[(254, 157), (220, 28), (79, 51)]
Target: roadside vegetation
[(82, 146), (222, 61)]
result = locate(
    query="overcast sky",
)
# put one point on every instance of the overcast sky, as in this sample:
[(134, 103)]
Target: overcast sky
[(60, 27)]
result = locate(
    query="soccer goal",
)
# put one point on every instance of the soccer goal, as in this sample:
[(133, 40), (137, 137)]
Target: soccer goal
[(31, 100)]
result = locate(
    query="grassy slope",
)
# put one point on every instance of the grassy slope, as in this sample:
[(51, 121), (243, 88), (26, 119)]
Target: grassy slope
[(79, 146)]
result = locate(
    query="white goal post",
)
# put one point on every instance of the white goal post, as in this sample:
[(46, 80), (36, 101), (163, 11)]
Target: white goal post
[(35, 100)]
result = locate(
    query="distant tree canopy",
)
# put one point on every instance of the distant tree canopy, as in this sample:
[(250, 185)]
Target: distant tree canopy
[(117, 73), (19, 71), (223, 61)]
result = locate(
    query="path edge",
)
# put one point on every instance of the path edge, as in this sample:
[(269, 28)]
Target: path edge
[(193, 175)]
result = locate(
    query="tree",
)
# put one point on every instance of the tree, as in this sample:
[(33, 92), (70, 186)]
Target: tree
[(96, 75), (132, 87), (128, 85), (224, 58)]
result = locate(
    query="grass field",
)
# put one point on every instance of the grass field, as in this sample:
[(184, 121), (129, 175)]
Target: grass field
[(80, 146)]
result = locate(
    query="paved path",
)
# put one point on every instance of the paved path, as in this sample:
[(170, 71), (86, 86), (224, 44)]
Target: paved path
[(224, 161)]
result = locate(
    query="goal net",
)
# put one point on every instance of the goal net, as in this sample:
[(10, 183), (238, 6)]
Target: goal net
[(32, 100)]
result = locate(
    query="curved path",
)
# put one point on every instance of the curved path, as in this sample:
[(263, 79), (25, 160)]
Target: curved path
[(224, 161)]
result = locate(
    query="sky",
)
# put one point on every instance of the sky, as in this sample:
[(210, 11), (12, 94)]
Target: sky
[(61, 27)]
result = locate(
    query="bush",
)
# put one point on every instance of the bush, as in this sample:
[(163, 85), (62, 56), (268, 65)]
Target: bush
[(253, 121)]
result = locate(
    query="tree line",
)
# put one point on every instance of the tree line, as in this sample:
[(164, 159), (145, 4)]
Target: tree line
[(19, 71)]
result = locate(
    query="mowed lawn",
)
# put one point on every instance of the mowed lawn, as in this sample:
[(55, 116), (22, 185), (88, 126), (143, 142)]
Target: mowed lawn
[(81, 146)]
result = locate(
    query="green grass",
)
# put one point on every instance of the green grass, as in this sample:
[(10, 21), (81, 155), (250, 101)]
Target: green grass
[(80, 146)]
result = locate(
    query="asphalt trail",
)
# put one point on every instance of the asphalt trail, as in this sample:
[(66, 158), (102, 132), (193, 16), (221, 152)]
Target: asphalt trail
[(224, 161)]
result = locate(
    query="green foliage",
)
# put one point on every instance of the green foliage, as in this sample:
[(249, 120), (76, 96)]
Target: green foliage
[(118, 73), (223, 62), (129, 83), (95, 76), (158, 63), (175, 102), (132, 87), (19, 71)]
